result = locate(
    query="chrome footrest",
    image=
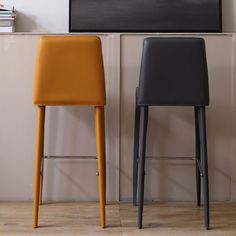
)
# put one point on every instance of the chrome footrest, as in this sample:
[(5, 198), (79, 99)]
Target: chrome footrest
[(171, 158), (71, 157)]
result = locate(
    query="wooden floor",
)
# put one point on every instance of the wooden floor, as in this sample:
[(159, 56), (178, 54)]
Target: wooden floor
[(175, 219)]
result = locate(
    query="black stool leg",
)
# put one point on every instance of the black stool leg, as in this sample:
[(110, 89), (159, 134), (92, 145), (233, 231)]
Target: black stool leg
[(204, 164), (197, 156), (136, 148), (141, 166)]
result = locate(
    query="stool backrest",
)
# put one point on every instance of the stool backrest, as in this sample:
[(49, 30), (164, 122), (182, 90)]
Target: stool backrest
[(173, 72), (69, 71)]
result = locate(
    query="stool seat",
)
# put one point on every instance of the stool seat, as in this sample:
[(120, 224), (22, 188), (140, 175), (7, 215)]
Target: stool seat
[(69, 71), (173, 72)]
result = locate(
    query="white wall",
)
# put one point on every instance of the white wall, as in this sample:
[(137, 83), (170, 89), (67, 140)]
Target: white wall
[(41, 15), (52, 15)]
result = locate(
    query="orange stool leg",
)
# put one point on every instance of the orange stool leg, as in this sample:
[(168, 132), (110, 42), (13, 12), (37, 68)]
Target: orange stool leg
[(100, 140), (38, 158)]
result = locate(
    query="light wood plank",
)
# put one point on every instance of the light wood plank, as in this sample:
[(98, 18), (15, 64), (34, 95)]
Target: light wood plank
[(58, 219), (179, 219)]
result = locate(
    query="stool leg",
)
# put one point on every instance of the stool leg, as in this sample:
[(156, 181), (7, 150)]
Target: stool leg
[(100, 140), (203, 153), (41, 182), (136, 148), (141, 166), (38, 158), (197, 156)]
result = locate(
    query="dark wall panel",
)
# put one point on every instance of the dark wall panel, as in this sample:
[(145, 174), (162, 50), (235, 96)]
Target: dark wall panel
[(145, 15)]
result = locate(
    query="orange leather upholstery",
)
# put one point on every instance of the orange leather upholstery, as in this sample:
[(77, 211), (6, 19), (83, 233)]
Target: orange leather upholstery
[(69, 71)]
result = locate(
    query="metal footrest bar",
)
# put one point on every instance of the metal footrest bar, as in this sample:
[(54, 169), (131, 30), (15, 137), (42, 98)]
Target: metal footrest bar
[(171, 158), (72, 157), (199, 167)]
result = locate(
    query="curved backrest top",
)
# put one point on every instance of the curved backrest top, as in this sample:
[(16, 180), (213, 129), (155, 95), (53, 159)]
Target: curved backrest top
[(174, 72), (69, 71)]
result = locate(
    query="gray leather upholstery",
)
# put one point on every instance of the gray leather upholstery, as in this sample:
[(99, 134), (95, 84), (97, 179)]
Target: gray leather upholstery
[(173, 72)]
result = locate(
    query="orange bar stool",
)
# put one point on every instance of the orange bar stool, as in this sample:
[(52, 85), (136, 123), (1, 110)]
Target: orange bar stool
[(69, 71)]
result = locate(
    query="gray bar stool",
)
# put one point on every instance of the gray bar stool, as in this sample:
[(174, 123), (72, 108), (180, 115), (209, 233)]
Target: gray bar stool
[(173, 73)]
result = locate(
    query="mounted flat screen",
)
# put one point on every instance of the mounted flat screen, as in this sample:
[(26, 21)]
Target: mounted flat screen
[(145, 16)]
